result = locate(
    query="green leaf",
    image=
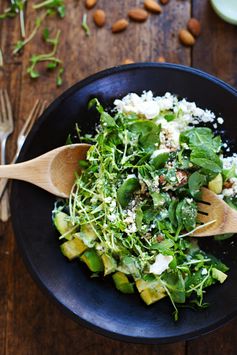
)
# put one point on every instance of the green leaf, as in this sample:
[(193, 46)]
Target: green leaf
[(126, 190), (195, 182), (199, 137), (170, 117), (172, 212), (186, 214), (206, 159), (160, 160), (164, 246), (229, 173), (52, 65), (95, 102), (176, 286), (46, 34), (139, 218)]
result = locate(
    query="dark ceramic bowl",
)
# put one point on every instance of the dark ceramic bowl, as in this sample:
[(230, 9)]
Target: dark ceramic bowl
[(93, 302)]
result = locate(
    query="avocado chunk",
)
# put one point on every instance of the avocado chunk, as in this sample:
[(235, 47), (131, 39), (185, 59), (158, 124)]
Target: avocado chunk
[(218, 275), (151, 290), (215, 185), (122, 283), (109, 264), (88, 235), (63, 224), (73, 248), (92, 260)]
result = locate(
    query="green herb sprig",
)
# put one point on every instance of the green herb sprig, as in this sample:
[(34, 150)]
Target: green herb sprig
[(52, 60), (17, 7)]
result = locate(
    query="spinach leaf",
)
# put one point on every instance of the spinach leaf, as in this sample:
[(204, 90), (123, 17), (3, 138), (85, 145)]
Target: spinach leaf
[(186, 214), (126, 190), (206, 159), (199, 137), (175, 284), (160, 160), (195, 182)]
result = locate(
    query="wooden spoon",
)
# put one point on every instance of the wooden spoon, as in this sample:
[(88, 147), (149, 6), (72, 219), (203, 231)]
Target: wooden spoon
[(212, 208), (53, 171)]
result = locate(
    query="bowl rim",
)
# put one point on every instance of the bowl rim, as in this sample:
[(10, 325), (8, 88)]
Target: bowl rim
[(30, 265)]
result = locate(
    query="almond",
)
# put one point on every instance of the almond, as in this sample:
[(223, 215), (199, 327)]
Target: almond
[(164, 2), (138, 14), (151, 5), (128, 61), (186, 38), (194, 26), (161, 59), (99, 18), (120, 25), (90, 3)]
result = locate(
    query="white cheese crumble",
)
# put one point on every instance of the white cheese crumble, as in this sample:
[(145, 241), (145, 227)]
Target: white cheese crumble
[(161, 264), (149, 106)]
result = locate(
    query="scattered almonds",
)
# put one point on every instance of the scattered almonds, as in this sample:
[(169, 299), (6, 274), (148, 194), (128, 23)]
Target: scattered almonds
[(90, 3), (99, 18), (161, 59), (153, 6), (164, 2), (194, 26), (138, 14), (128, 61), (186, 37), (119, 26)]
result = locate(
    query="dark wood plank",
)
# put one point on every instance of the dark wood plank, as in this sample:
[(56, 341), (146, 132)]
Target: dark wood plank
[(216, 49)]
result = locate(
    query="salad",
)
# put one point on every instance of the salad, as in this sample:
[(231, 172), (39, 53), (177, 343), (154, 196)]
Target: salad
[(132, 211)]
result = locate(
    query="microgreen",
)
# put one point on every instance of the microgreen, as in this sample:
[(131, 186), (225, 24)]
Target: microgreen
[(50, 58), (17, 7), (85, 26), (52, 6)]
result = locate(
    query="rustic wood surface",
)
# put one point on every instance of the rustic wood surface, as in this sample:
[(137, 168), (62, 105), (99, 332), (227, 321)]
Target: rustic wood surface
[(29, 322)]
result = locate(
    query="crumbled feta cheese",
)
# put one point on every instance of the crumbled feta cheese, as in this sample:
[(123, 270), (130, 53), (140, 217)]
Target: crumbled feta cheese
[(204, 271), (161, 264), (220, 120)]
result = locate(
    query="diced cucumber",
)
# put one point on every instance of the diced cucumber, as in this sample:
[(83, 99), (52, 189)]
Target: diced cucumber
[(63, 224), (92, 260), (218, 275), (109, 264), (73, 248), (88, 235), (216, 184), (122, 283)]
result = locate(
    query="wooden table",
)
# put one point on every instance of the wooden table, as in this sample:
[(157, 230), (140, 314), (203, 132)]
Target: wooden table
[(30, 323)]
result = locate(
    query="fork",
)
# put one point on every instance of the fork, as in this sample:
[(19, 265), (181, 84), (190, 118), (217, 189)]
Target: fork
[(6, 128), (36, 111), (214, 215)]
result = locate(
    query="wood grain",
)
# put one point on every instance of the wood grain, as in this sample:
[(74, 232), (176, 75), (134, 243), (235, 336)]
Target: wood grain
[(29, 322)]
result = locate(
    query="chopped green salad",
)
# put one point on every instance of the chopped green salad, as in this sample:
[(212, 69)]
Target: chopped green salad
[(132, 211)]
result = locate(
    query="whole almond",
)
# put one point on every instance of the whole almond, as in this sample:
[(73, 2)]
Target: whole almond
[(153, 6), (128, 61), (161, 59), (99, 18), (186, 37), (138, 14), (164, 2), (90, 3), (119, 25), (194, 26)]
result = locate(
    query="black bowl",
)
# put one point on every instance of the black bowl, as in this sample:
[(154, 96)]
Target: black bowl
[(92, 302)]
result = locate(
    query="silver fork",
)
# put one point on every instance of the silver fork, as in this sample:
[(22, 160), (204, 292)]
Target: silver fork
[(36, 111), (6, 128)]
